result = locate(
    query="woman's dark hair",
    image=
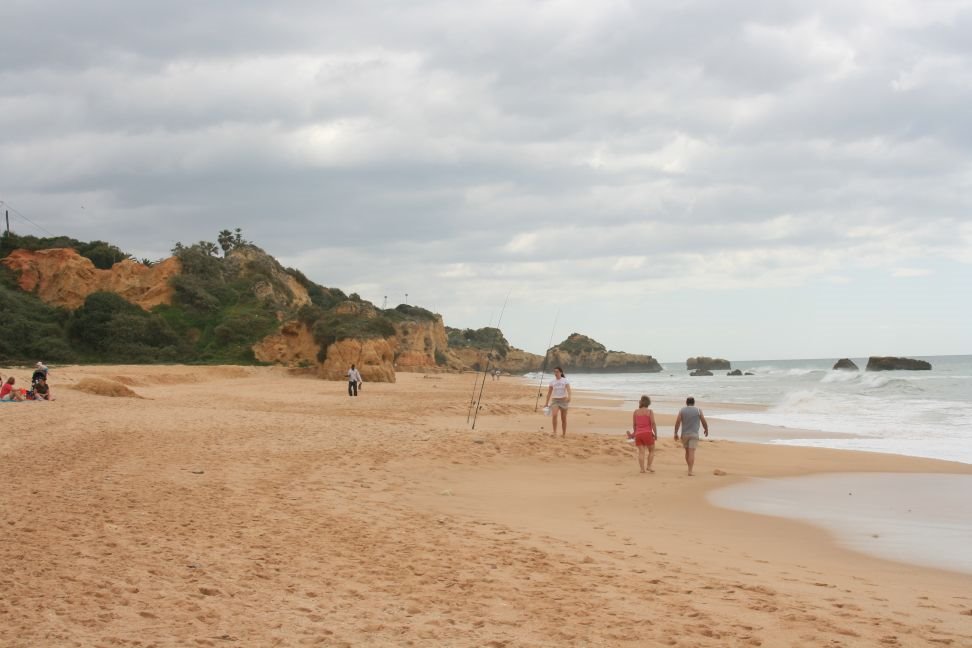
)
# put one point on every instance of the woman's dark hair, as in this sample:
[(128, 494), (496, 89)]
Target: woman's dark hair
[(644, 402), (563, 375), (11, 380)]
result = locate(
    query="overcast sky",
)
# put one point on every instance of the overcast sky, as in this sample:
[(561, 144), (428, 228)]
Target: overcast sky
[(750, 180)]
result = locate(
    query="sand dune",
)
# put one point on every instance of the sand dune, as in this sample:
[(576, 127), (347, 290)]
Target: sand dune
[(246, 506)]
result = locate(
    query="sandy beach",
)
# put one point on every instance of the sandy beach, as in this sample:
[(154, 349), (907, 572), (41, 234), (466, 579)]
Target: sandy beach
[(246, 506)]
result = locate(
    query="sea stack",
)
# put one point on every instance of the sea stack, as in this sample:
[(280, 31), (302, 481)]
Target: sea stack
[(846, 364), (888, 363)]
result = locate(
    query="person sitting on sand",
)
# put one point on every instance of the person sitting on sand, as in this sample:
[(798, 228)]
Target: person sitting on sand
[(41, 390), (560, 390), (40, 371), (645, 433), (688, 419), (9, 393)]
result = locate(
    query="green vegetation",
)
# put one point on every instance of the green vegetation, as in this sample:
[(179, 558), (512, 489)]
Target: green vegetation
[(229, 296), (223, 305), (107, 328), (103, 255), (333, 327), (577, 343), (404, 312), (32, 330), (487, 338)]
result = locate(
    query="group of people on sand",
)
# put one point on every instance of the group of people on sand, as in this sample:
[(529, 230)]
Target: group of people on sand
[(644, 430), (39, 389)]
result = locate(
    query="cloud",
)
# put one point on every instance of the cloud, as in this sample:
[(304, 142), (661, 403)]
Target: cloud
[(911, 272), (561, 150)]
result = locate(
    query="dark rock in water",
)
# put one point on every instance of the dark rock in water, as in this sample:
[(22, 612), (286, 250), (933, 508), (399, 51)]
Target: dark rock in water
[(749, 373), (701, 372), (888, 363), (846, 364), (735, 372), (705, 362)]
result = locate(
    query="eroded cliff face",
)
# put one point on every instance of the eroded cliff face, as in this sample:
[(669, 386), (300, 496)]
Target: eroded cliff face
[(419, 342), (279, 288), (579, 353), (374, 358), (63, 277), (515, 362), (413, 348), (293, 345)]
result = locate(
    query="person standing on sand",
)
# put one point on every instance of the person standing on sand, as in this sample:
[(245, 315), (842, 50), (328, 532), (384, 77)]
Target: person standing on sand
[(688, 419), (559, 389), (354, 381), (645, 433)]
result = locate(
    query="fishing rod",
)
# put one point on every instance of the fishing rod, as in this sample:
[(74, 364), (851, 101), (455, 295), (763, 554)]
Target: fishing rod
[(489, 358), (543, 368), (472, 396)]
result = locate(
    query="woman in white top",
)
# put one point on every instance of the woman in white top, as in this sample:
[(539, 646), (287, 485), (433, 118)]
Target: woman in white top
[(560, 391)]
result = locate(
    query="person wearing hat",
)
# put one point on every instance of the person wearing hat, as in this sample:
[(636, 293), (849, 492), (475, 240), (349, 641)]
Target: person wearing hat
[(40, 371)]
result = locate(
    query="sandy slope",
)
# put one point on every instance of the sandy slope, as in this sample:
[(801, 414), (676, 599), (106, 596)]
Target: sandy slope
[(246, 507)]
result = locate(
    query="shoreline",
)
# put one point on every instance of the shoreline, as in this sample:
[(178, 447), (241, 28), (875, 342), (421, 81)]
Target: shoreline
[(249, 503)]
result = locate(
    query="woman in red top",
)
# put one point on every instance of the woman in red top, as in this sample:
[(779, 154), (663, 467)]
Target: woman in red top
[(8, 393), (645, 433)]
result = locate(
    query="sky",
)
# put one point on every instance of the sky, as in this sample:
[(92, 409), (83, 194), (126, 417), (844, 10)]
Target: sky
[(750, 180)]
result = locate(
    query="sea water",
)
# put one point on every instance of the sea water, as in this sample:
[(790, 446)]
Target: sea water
[(927, 521), (916, 413)]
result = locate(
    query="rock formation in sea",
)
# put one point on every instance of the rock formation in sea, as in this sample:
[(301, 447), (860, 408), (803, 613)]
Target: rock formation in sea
[(890, 363), (735, 372), (705, 362), (846, 364), (701, 372), (580, 354)]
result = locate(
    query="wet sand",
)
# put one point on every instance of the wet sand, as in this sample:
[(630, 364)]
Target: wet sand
[(246, 506)]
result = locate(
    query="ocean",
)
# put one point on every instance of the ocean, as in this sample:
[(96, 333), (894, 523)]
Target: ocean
[(916, 413)]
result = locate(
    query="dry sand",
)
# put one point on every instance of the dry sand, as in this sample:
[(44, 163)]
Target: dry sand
[(247, 507)]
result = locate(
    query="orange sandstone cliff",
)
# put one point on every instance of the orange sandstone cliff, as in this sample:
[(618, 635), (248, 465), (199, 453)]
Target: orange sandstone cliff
[(64, 278)]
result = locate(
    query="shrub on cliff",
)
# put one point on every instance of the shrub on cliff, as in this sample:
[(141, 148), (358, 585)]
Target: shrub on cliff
[(107, 328), (32, 330), (486, 339), (576, 344), (404, 312), (103, 255), (333, 327)]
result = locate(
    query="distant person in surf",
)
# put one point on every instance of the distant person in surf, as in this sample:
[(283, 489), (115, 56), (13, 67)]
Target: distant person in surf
[(558, 399), (688, 419), (354, 381), (644, 432)]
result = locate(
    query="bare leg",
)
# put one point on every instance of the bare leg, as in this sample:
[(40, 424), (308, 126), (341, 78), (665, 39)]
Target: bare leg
[(563, 420), (641, 458), (555, 421), (651, 457), (690, 460)]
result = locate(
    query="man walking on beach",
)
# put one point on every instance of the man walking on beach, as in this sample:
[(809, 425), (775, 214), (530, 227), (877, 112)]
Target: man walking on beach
[(354, 380), (689, 418)]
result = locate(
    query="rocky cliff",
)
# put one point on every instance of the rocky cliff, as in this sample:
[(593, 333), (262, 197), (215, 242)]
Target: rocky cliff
[(63, 277), (580, 354), (416, 346), (845, 364), (514, 361), (886, 363), (271, 282), (707, 363)]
